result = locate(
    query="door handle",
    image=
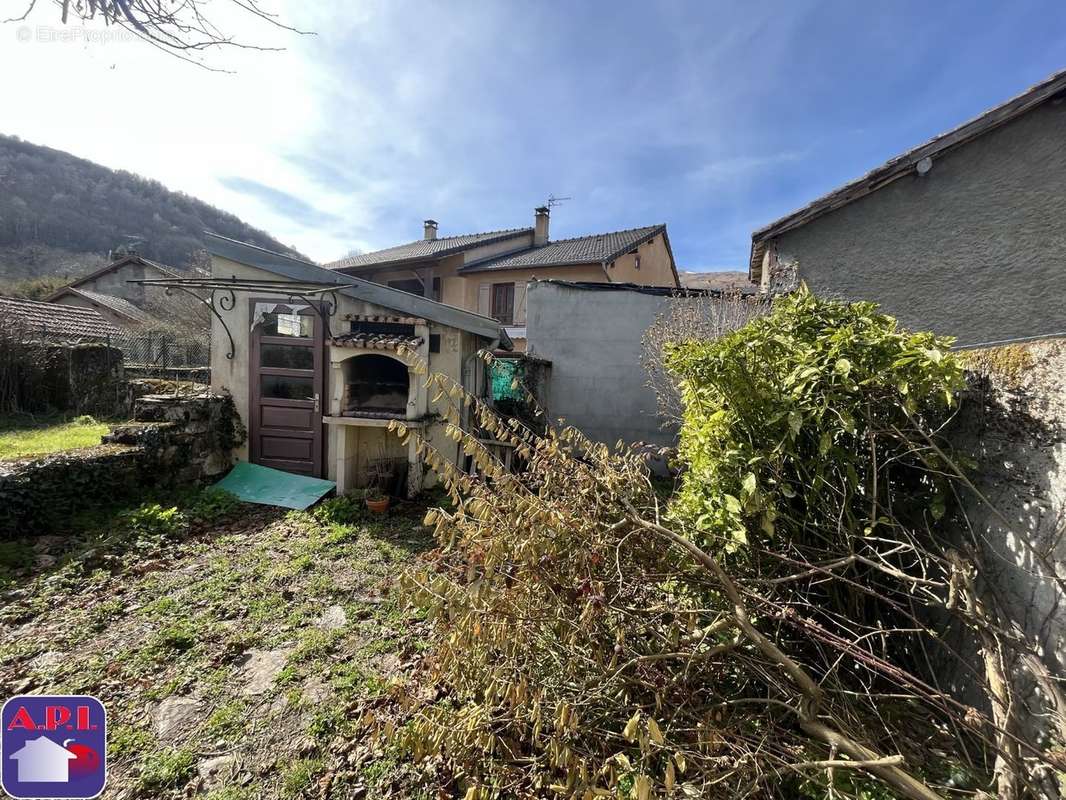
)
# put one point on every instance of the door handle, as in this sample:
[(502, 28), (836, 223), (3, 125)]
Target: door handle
[(316, 402)]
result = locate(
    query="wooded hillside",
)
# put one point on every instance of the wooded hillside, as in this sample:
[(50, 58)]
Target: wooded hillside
[(60, 215)]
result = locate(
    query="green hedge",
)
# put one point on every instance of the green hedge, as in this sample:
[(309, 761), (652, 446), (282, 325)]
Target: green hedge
[(778, 417)]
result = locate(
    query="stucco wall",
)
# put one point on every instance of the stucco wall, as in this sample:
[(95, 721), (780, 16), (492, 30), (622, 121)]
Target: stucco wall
[(115, 282), (1013, 427), (975, 249), (654, 267), (592, 339), (117, 320)]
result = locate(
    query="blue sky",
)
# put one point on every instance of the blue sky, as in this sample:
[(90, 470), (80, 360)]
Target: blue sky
[(714, 117)]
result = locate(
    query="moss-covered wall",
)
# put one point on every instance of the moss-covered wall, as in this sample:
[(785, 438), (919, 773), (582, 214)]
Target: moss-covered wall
[(43, 377), (173, 441)]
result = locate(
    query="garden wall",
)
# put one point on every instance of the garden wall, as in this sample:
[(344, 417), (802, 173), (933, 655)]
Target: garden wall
[(591, 334), (37, 377), (1012, 424), (173, 440)]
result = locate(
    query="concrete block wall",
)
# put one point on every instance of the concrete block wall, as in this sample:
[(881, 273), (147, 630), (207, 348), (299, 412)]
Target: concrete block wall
[(592, 338)]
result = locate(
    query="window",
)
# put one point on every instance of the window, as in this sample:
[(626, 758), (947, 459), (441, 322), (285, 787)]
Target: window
[(414, 286), (411, 286), (282, 387), (288, 324), (503, 302), (284, 356)]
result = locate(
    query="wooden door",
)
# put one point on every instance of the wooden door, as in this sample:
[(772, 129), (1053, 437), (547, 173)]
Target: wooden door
[(287, 387)]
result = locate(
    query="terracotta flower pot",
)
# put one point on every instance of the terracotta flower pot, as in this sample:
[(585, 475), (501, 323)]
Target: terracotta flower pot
[(378, 506)]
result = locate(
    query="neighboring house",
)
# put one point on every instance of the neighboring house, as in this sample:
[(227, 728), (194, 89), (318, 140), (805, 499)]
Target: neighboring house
[(317, 391), (52, 322), (109, 291), (487, 272), (963, 235)]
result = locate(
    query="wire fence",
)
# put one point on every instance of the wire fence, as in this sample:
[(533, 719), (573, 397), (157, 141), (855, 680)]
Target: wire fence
[(163, 349)]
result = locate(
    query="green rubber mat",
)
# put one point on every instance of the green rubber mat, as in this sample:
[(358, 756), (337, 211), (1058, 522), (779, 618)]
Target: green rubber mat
[(272, 487)]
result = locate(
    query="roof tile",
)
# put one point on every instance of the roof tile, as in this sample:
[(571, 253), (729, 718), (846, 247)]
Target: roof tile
[(595, 249), (55, 320), (427, 248), (119, 305)]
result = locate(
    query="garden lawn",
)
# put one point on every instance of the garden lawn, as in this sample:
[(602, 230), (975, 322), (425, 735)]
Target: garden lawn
[(18, 438), (234, 646)]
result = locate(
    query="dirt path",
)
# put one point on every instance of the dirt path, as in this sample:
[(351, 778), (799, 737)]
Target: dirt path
[(230, 654)]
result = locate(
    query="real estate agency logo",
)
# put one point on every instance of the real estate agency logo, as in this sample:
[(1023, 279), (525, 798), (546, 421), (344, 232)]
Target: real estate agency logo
[(53, 746)]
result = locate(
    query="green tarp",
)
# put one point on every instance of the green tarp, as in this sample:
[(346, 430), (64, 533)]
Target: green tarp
[(504, 372), (272, 487)]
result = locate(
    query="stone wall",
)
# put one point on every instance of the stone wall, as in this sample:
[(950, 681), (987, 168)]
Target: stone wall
[(173, 440), (1012, 427), (42, 377)]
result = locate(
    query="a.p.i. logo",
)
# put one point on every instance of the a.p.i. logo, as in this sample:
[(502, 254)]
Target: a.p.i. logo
[(53, 746)]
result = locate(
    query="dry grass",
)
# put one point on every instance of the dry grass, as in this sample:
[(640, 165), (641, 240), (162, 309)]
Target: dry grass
[(149, 605)]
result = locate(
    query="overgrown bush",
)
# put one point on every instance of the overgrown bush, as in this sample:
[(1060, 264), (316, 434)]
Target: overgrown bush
[(780, 417), (690, 317), (591, 640)]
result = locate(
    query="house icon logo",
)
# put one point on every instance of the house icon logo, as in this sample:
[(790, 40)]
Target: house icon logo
[(53, 746)]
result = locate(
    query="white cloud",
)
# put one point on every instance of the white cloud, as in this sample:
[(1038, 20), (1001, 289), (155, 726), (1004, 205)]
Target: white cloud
[(739, 167), (128, 106)]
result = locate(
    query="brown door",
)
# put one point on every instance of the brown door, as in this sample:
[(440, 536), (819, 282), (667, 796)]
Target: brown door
[(287, 387)]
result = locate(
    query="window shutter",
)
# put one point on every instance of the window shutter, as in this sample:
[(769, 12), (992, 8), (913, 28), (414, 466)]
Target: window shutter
[(520, 303), (484, 299)]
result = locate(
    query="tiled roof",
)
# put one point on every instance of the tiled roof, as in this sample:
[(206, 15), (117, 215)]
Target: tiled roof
[(376, 341), (598, 248), (55, 320), (120, 305), (427, 248)]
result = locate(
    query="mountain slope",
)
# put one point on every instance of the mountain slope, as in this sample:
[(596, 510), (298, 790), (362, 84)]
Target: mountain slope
[(733, 281), (61, 215)]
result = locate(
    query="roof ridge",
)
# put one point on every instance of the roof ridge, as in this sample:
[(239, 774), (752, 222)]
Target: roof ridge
[(78, 309), (901, 163), (604, 233), (461, 236), (342, 263)]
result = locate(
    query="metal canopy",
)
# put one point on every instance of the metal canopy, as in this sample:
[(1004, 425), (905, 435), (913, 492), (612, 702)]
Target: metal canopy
[(220, 294)]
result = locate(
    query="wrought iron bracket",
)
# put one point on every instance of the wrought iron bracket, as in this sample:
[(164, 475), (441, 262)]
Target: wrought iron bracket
[(223, 296), (209, 302)]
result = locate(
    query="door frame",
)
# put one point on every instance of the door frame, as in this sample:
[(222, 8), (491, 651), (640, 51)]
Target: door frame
[(320, 381)]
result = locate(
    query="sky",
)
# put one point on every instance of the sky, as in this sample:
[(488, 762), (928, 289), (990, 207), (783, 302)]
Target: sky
[(713, 117)]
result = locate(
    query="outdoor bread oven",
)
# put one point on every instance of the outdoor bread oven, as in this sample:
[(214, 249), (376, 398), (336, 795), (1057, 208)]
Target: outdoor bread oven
[(372, 369), (373, 381), (374, 386)]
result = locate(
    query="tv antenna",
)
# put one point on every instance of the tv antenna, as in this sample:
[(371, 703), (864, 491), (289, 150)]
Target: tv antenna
[(554, 201)]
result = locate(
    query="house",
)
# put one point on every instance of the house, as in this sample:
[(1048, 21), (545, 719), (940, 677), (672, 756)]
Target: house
[(41, 760), (109, 292), (962, 235), (319, 363), (49, 322), (487, 273)]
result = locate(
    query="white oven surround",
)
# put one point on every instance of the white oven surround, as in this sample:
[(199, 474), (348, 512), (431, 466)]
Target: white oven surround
[(355, 441)]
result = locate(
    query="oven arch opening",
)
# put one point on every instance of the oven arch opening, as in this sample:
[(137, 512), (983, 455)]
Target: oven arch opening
[(375, 386)]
